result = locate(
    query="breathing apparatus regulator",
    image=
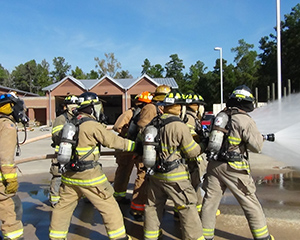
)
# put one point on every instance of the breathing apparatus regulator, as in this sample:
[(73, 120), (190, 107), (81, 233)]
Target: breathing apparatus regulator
[(12, 105)]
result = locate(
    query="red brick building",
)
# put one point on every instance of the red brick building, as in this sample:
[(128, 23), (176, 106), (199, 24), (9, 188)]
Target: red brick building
[(115, 93)]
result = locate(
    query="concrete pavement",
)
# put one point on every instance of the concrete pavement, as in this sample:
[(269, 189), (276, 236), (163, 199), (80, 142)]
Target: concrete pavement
[(278, 188)]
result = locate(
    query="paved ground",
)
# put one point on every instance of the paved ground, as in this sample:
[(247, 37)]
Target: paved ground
[(278, 189)]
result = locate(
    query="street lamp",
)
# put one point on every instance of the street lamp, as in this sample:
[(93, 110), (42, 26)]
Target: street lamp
[(221, 73)]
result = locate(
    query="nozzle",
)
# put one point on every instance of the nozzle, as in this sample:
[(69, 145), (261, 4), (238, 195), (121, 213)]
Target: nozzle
[(269, 137)]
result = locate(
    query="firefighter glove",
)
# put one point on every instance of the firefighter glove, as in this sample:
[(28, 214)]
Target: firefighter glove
[(11, 185)]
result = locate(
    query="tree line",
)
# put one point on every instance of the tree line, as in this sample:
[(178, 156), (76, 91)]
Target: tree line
[(250, 68)]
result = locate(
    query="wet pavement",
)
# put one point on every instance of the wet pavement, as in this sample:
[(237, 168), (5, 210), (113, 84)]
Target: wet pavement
[(278, 189)]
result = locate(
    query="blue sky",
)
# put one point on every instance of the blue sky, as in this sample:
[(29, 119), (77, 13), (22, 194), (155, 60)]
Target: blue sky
[(132, 29)]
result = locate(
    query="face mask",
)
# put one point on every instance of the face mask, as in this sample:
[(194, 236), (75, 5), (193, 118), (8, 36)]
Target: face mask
[(19, 111)]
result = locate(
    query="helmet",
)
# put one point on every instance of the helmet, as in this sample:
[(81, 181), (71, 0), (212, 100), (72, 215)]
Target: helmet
[(160, 92), (174, 97), (89, 102), (194, 98), (71, 99), (242, 93), (87, 99), (11, 104), (145, 97)]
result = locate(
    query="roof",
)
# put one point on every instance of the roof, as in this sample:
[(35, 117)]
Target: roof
[(124, 83), (24, 93)]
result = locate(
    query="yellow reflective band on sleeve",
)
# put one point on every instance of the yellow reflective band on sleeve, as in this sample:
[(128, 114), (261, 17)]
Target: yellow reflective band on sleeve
[(10, 175), (257, 233), (119, 194), (13, 235), (88, 182), (54, 198), (116, 233), (131, 146), (208, 232), (83, 151), (240, 165), (152, 234), (57, 128), (234, 140), (8, 165), (58, 234), (172, 177), (191, 146)]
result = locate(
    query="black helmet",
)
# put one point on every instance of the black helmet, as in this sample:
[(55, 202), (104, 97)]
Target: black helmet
[(173, 97), (242, 93), (71, 99), (194, 98), (16, 108), (87, 99)]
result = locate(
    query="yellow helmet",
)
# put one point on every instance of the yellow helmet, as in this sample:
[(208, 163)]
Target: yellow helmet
[(160, 92)]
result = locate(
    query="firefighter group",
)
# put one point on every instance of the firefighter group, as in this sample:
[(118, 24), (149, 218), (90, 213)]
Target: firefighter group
[(176, 159)]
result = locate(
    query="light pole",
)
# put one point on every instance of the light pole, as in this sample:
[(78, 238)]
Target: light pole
[(221, 74)]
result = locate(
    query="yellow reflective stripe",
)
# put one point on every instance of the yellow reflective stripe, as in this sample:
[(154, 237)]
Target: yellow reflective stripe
[(56, 148), (260, 232), (8, 165), (240, 165), (119, 194), (168, 149), (54, 198), (191, 146), (57, 128), (9, 175), (172, 177), (58, 234), (116, 233), (13, 235), (131, 146), (201, 238), (234, 140), (152, 234), (208, 232), (82, 151), (88, 182)]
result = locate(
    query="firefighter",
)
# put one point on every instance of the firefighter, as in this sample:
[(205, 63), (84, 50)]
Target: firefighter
[(194, 112), (84, 175), (147, 114), (170, 177), (69, 104), (229, 168), (11, 112), (127, 128)]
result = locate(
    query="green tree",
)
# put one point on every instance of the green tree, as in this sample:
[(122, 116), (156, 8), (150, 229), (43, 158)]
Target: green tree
[(78, 73), (247, 64), (155, 71), (174, 70), (4, 76), (92, 75), (123, 74), (108, 66), (42, 78), (24, 75), (197, 72), (61, 69)]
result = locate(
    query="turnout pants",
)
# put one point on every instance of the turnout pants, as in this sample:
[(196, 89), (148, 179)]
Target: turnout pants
[(55, 182), (139, 195), (182, 193), (101, 196), (10, 215), (122, 175), (221, 176)]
